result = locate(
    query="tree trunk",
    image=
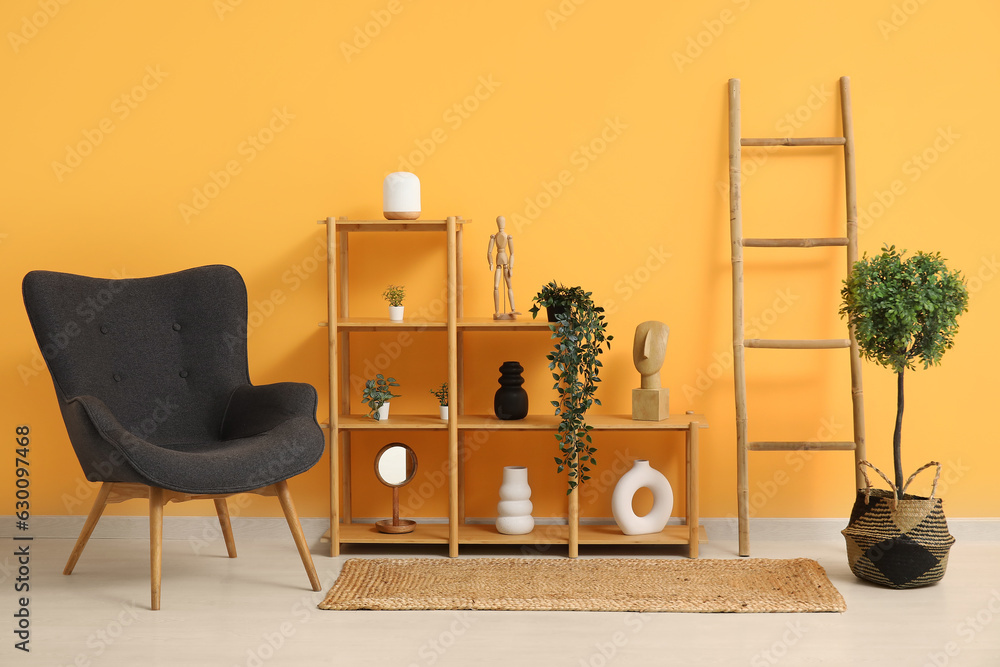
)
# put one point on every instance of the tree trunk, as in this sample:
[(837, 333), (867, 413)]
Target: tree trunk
[(897, 433)]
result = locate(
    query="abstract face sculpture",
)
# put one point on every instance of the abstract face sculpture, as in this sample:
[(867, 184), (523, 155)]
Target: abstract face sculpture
[(649, 349)]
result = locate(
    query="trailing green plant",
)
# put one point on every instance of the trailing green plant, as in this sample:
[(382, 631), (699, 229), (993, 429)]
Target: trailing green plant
[(580, 332), (903, 310), (394, 294), (441, 394), (557, 296), (377, 393)]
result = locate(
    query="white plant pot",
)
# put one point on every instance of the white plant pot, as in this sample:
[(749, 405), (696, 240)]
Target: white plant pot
[(396, 313), (641, 475), (443, 412), (514, 509), (383, 411)]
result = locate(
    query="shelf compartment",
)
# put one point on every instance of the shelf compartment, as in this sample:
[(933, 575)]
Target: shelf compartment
[(485, 533), (393, 423), (611, 534), (599, 422), (367, 533)]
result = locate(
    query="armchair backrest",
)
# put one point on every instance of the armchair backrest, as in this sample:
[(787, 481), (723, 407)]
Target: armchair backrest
[(163, 353)]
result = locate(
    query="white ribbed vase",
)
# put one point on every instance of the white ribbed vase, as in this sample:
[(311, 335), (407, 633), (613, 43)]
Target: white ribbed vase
[(514, 509), (641, 475)]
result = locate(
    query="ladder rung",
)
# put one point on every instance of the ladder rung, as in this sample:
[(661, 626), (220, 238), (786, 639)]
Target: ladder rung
[(788, 344), (771, 446), (804, 141), (796, 242)]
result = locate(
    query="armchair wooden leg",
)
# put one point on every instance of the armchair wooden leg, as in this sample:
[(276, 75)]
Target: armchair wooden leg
[(155, 544), (292, 517), (222, 509), (88, 526)]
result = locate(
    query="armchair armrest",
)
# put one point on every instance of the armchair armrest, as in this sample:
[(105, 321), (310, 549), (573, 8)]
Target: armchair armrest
[(107, 450), (253, 410)]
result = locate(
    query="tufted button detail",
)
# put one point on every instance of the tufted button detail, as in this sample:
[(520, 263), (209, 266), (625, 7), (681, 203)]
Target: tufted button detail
[(183, 374), (177, 327), (104, 329), (118, 378)]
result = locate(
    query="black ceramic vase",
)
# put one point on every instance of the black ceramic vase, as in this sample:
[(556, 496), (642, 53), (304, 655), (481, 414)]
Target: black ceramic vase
[(511, 400)]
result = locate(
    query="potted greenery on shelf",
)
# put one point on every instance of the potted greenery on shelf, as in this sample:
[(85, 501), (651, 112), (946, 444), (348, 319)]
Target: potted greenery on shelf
[(377, 395), (556, 298), (903, 310), (580, 332), (442, 397), (394, 294)]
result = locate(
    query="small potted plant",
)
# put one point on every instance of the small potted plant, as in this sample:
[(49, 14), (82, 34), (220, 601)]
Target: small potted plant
[(442, 397), (377, 395), (394, 294), (580, 332), (903, 310), (556, 298)]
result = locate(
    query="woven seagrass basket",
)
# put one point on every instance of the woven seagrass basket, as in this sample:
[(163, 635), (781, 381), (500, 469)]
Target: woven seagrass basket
[(899, 542)]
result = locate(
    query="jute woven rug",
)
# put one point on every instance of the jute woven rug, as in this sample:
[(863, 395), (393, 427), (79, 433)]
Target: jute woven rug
[(591, 584)]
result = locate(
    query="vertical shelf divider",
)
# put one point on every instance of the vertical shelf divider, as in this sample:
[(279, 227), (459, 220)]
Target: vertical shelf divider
[(453, 291)]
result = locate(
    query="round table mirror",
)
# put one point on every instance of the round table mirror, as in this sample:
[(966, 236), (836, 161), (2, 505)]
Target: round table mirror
[(395, 465)]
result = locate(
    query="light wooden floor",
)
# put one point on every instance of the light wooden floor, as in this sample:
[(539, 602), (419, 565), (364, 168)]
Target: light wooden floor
[(257, 610)]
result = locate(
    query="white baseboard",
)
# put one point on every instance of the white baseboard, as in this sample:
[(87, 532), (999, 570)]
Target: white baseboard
[(194, 528)]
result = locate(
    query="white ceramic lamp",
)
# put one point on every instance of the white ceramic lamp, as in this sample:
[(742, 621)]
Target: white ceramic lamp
[(401, 196)]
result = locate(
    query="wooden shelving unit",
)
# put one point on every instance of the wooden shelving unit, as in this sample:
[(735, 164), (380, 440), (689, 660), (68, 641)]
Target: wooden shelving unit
[(456, 531)]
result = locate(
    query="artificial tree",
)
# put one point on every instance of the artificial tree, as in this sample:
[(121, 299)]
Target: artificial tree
[(903, 310)]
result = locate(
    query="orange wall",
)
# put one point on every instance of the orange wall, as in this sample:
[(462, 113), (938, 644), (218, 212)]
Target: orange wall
[(221, 131)]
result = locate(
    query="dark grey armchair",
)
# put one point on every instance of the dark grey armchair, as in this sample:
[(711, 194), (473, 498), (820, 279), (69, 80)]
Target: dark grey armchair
[(152, 380)]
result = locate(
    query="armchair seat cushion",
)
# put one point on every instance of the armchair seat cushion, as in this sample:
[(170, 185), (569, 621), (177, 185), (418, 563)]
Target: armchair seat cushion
[(232, 466)]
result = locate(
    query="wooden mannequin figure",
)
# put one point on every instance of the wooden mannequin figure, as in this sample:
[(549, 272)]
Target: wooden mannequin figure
[(651, 402), (504, 245)]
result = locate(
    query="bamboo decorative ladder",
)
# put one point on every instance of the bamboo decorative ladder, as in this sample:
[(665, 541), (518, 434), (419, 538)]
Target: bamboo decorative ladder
[(743, 445)]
